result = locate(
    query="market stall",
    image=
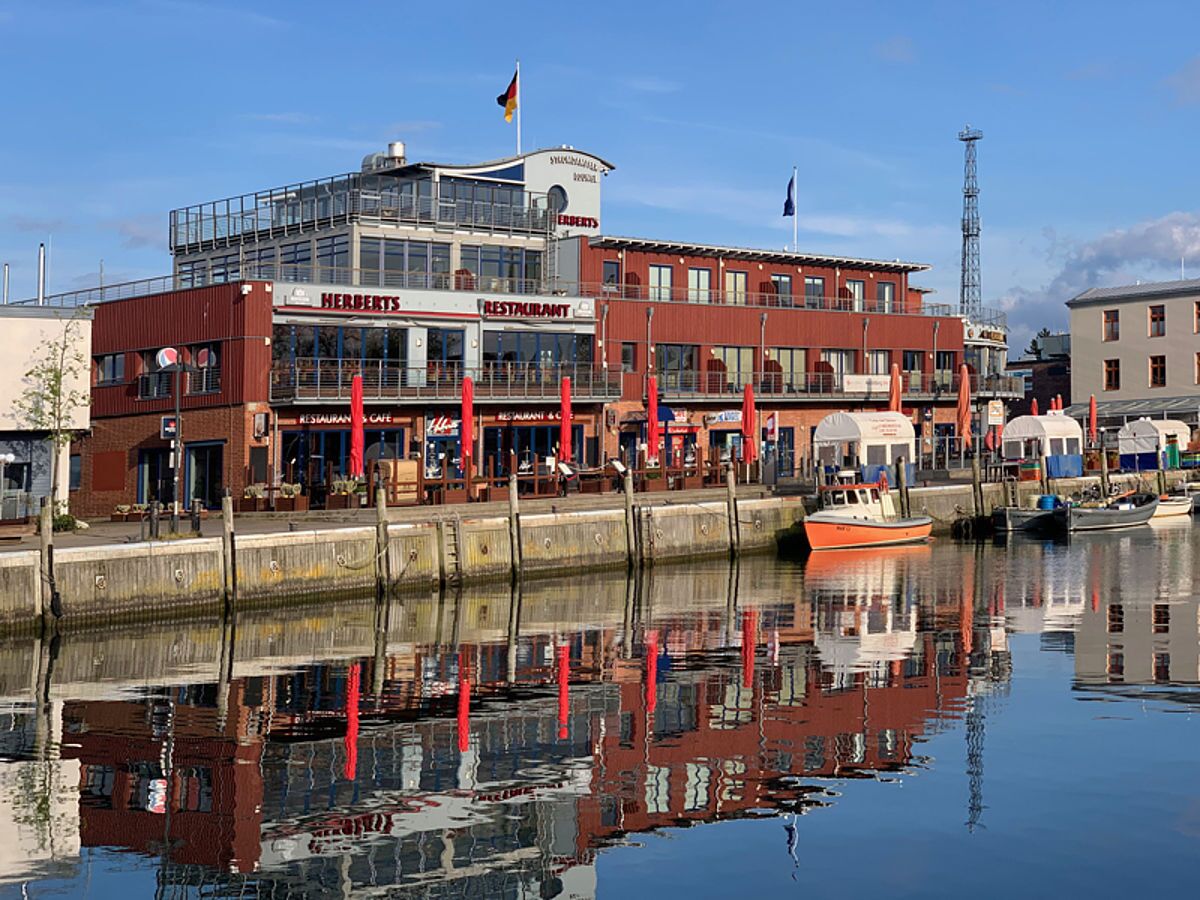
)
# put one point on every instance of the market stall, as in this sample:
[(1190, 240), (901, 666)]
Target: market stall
[(869, 442), (1054, 441), (1153, 443)]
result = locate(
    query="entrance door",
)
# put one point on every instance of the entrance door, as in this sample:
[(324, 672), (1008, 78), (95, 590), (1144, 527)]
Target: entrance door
[(156, 481), (204, 480)]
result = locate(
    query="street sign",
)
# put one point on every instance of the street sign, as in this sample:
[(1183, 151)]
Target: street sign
[(995, 412), (168, 428)]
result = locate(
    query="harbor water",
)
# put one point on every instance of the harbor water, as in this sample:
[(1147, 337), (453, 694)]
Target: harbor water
[(943, 720)]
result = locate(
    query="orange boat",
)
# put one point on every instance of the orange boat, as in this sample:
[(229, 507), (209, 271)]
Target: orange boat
[(861, 515)]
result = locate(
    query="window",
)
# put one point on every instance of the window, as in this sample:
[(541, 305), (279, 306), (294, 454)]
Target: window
[(1112, 324), (110, 369), (1158, 371), (206, 379), (333, 256), (611, 274), (878, 362), (1158, 321), (534, 350), (295, 260), (885, 295), (1198, 368), (784, 371), (1196, 317), (154, 382), (660, 283), (840, 361), (944, 360), (1112, 374), (735, 287), (783, 289), (913, 360), (628, 357), (676, 365), (699, 285), (1116, 666), (814, 292), (857, 292), (1162, 667), (75, 472), (730, 368), (1116, 619), (1162, 618)]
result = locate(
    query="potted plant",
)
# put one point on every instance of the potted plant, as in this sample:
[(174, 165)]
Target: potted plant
[(290, 499), (120, 513), (345, 493), (137, 511), (254, 499), (655, 480)]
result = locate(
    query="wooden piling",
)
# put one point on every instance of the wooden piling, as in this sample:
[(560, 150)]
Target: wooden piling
[(902, 486), (514, 522), (1104, 471), (977, 487), (631, 540), (382, 567), (735, 539), (49, 592), (227, 550)]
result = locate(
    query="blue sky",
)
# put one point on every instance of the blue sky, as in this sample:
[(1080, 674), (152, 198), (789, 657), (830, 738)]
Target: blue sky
[(117, 112)]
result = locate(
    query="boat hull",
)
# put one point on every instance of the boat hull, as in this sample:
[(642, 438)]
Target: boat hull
[(831, 532), (1173, 506), (1017, 518), (1077, 519)]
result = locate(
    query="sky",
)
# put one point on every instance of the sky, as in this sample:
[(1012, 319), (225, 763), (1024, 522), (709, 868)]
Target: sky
[(117, 112)]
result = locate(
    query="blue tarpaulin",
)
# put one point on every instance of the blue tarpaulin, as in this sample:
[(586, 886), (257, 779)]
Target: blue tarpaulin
[(1065, 466)]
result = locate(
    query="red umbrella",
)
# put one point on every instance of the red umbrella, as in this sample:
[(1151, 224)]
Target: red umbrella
[(1033, 407), (894, 399), (466, 430), (963, 418), (356, 427), (1058, 400), (749, 645), (989, 440), (749, 445), (651, 670), (1093, 432), (464, 706), (564, 427), (564, 687), (653, 436), (353, 685)]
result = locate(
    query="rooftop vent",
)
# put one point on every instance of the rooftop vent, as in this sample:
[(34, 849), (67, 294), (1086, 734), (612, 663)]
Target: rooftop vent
[(393, 158)]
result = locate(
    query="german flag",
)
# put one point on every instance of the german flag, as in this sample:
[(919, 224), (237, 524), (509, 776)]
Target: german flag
[(508, 99)]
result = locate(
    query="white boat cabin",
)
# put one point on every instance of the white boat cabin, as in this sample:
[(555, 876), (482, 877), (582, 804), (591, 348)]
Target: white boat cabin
[(871, 502)]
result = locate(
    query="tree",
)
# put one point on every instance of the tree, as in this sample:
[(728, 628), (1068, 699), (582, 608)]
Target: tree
[(51, 399), (1035, 345)]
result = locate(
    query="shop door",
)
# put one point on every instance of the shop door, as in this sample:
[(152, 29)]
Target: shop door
[(782, 451), (204, 479), (156, 480)]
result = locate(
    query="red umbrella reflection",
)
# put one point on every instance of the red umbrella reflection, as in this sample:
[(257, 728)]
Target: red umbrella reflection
[(353, 686)]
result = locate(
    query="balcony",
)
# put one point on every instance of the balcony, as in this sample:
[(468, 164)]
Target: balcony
[(778, 386), (320, 381), (357, 197)]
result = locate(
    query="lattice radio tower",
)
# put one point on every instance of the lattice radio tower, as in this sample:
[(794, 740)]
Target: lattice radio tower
[(970, 292)]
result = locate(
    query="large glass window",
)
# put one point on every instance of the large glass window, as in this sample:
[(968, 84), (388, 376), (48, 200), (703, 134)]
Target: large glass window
[(110, 369), (611, 274), (502, 269), (735, 287), (885, 296), (913, 361), (333, 258), (629, 357), (729, 368), (296, 261), (840, 362), (699, 285), (784, 371), (660, 283), (445, 349), (878, 362), (814, 292), (512, 350), (783, 289), (677, 365), (856, 291)]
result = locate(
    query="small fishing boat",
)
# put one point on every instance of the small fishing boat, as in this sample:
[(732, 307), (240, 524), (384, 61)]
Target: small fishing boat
[(1024, 518), (1124, 511), (1173, 505), (861, 515), (1191, 489)]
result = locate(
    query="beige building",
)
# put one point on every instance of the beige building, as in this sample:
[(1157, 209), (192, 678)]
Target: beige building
[(1137, 348), (25, 334)]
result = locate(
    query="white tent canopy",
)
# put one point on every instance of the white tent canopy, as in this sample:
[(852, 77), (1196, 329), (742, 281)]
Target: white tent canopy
[(1056, 435), (873, 438), (1152, 435)]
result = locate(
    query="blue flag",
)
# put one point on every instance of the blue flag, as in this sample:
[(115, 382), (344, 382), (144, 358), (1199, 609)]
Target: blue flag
[(789, 204)]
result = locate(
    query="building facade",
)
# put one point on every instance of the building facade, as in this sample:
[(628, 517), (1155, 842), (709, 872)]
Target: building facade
[(420, 275), (1137, 349), (31, 332), (1046, 374)]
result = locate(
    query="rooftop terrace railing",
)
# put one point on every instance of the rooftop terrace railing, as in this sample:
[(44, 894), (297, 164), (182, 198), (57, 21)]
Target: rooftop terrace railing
[(782, 385), (329, 202)]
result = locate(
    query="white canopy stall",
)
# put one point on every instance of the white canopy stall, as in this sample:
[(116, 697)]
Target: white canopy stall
[(869, 441), (1143, 442), (1055, 439)]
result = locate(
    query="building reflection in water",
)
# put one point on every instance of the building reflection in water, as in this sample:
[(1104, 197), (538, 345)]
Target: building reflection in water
[(493, 741)]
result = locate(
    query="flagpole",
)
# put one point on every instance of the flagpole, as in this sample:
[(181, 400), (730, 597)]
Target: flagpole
[(795, 216), (520, 103)]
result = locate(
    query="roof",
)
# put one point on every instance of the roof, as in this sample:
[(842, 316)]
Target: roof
[(840, 427), (788, 257), (1149, 435), (1137, 291), (1056, 425), (1156, 407), (21, 309), (505, 168)]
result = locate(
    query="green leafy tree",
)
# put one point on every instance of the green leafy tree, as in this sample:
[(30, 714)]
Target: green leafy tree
[(1035, 346), (51, 398)]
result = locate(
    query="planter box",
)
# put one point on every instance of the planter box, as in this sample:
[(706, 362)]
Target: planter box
[(344, 501), (252, 504), (454, 495), (291, 504), (651, 485)]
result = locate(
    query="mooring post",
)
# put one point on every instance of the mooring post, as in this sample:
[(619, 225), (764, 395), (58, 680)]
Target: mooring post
[(976, 486), (631, 542), (45, 594), (514, 522), (902, 486), (735, 540), (227, 548), (154, 511), (1162, 481), (514, 631), (382, 567), (1104, 471)]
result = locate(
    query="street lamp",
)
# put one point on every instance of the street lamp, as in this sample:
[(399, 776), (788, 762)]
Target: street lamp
[(6, 459), (170, 360)]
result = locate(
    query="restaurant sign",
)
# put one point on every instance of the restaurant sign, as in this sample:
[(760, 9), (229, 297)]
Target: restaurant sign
[(441, 426), (342, 418)]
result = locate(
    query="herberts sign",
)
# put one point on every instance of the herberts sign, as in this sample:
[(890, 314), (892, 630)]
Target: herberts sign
[(360, 302), (518, 309)]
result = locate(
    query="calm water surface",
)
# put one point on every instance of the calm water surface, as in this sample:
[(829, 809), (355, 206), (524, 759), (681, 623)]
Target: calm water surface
[(945, 720)]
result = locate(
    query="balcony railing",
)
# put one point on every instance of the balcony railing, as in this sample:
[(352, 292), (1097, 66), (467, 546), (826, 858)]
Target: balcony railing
[(311, 380), (778, 385), (329, 202), (156, 385)]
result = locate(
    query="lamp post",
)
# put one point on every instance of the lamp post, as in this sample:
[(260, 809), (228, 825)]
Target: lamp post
[(170, 360)]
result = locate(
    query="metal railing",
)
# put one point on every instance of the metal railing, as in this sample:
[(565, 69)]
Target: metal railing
[(328, 202), (323, 379), (777, 385), (156, 385)]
